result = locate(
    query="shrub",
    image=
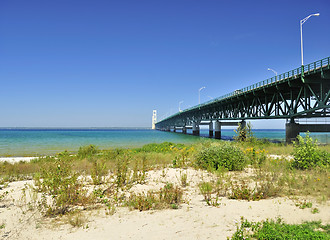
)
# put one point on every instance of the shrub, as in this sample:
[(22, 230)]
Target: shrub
[(57, 180), (244, 133), (271, 229), (167, 197), (98, 171), (87, 151), (224, 155), (307, 154)]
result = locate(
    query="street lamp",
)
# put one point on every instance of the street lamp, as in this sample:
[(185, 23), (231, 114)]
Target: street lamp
[(269, 69), (301, 36), (199, 95), (179, 106)]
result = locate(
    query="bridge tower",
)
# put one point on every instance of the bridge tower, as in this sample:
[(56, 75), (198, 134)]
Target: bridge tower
[(154, 119)]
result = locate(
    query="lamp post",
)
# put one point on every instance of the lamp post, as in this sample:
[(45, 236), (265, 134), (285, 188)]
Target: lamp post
[(179, 106), (199, 95), (301, 37), (269, 69)]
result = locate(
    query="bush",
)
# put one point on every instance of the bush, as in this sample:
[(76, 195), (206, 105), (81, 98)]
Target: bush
[(271, 229), (57, 180), (87, 151), (221, 156), (307, 154), (167, 197)]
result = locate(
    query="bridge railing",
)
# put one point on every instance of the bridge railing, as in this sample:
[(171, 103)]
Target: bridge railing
[(312, 67)]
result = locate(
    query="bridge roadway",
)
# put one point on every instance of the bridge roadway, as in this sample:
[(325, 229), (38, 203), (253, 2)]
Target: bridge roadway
[(300, 93)]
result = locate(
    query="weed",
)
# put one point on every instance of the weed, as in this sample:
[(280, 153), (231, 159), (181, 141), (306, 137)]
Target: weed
[(307, 154), (87, 151), (140, 169), (57, 180), (271, 229), (256, 157), (76, 219), (304, 204), (206, 189), (167, 197), (98, 171), (183, 179), (181, 157), (244, 133), (315, 210), (122, 173)]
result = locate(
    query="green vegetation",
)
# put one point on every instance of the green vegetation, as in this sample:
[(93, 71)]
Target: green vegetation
[(87, 151), (57, 180), (244, 133), (167, 197), (307, 154), (68, 184), (271, 229), (224, 155)]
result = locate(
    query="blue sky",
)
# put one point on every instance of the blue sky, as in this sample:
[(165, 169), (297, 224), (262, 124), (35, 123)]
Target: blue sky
[(110, 63)]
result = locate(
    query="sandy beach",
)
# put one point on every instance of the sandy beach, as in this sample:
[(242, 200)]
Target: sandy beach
[(16, 159), (193, 220)]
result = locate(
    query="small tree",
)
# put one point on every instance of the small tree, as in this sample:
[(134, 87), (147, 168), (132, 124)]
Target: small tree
[(244, 133)]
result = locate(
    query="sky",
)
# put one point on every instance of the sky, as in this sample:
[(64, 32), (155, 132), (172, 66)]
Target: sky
[(106, 63)]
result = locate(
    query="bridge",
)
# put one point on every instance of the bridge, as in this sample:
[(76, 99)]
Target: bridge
[(303, 92)]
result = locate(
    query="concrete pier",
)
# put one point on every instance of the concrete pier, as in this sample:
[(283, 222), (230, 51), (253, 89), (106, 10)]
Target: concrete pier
[(217, 132), (184, 130), (211, 129), (292, 129), (195, 129)]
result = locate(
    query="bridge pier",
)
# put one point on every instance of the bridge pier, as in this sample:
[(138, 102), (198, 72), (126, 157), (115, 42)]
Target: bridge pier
[(195, 128), (211, 129), (243, 124), (292, 129), (217, 133), (174, 129), (184, 130)]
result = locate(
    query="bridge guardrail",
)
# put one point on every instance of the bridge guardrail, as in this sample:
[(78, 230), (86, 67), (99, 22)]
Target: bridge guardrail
[(312, 67)]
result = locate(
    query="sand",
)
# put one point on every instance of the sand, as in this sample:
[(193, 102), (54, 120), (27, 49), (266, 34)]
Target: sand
[(193, 220), (16, 159)]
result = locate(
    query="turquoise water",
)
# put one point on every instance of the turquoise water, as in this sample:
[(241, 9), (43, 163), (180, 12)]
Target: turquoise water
[(31, 142), (22, 142)]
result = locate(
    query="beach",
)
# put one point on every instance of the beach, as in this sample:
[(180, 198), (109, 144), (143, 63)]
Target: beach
[(194, 218)]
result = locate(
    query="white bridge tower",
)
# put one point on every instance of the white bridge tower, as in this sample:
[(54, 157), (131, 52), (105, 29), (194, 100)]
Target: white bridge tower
[(154, 119)]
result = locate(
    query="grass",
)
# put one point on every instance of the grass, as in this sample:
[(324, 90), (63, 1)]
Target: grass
[(167, 197), (277, 229)]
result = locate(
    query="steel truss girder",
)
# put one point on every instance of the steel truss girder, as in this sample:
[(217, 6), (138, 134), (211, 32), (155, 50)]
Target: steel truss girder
[(289, 99)]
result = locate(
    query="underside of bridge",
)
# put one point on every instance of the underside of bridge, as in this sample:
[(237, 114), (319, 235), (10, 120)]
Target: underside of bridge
[(301, 93)]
